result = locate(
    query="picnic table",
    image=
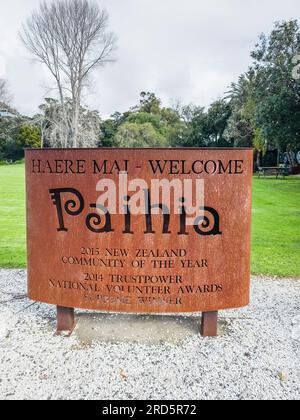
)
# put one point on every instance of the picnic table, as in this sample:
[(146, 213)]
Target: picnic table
[(273, 170)]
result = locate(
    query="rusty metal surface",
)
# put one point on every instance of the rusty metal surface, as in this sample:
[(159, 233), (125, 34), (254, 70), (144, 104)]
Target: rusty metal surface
[(209, 324), (67, 258)]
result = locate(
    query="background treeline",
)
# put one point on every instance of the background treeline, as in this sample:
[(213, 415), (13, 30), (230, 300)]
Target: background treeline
[(260, 110)]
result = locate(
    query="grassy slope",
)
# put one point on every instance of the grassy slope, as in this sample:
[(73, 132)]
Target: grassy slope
[(276, 223), (12, 216)]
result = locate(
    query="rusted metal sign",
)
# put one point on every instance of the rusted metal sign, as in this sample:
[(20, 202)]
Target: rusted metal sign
[(139, 230)]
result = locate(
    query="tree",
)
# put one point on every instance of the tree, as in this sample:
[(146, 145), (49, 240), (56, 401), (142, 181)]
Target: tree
[(260, 145), (241, 125), (274, 56), (16, 133), (278, 116), (29, 136), (70, 37), (265, 101), (147, 124), (200, 128), (144, 117), (139, 135), (239, 131), (277, 93), (149, 103), (241, 90), (109, 128), (216, 123), (190, 133), (5, 96), (51, 122)]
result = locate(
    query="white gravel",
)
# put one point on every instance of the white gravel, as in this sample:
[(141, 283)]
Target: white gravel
[(256, 357)]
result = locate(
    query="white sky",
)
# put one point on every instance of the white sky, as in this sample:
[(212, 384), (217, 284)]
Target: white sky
[(180, 49)]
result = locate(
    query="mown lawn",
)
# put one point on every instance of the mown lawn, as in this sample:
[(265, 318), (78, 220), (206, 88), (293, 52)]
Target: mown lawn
[(276, 223), (12, 216), (276, 227)]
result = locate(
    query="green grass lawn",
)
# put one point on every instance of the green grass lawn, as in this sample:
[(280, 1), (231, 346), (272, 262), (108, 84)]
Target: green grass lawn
[(276, 227), (276, 223), (12, 216)]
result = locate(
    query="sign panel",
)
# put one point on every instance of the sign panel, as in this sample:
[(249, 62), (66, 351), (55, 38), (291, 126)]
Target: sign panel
[(139, 230)]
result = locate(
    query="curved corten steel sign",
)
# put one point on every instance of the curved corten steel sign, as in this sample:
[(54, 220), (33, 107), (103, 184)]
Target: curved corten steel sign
[(139, 230)]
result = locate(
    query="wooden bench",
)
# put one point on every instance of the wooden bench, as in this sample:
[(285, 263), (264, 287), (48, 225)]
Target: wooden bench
[(275, 171)]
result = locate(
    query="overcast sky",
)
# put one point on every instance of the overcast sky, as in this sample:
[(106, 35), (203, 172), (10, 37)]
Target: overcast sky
[(180, 49)]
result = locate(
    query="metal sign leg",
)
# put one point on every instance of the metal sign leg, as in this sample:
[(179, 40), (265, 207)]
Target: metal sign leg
[(209, 324), (65, 320)]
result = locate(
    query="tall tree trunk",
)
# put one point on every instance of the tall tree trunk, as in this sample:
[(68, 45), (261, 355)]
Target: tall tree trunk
[(258, 159), (75, 125), (65, 128), (75, 116), (42, 136)]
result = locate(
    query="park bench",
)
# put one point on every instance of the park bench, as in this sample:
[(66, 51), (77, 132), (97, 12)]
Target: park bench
[(276, 171)]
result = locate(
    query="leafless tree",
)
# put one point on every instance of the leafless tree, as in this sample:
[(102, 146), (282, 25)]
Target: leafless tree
[(71, 38), (5, 96)]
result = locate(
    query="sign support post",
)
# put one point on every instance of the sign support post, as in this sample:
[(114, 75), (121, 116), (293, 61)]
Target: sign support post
[(65, 320), (209, 324)]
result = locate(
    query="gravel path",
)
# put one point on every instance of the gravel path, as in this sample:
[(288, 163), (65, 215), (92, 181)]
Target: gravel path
[(257, 355)]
